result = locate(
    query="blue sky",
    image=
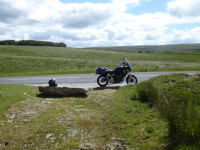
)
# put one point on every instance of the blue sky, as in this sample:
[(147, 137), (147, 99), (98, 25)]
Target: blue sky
[(149, 7), (144, 7), (81, 23), (84, 1)]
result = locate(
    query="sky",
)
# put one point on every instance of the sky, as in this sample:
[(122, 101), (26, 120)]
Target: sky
[(92, 23)]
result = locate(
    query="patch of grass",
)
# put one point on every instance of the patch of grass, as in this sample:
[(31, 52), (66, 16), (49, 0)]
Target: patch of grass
[(11, 94), (147, 92), (104, 119), (183, 118), (135, 122), (177, 97), (30, 60)]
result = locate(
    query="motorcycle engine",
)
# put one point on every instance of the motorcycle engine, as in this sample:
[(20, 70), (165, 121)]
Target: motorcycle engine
[(118, 78)]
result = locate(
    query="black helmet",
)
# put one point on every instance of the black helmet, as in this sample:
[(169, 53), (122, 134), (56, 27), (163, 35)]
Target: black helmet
[(52, 82)]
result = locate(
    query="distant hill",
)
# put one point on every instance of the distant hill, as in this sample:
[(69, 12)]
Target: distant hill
[(171, 47)]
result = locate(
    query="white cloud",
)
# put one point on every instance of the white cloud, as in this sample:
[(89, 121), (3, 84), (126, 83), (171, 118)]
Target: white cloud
[(93, 24), (185, 36), (71, 15), (182, 8), (5, 14)]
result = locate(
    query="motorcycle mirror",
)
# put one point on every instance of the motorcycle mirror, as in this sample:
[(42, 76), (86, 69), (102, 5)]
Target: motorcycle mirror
[(120, 62)]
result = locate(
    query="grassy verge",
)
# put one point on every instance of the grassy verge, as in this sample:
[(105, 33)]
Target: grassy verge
[(105, 119), (177, 97), (12, 94), (30, 60)]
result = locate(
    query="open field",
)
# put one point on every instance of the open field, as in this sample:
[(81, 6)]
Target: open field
[(27, 60)]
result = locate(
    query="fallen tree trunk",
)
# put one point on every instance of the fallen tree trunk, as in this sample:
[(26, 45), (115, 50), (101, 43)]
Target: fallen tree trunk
[(61, 91)]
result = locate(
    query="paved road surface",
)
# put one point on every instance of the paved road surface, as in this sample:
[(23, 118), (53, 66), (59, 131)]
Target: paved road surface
[(78, 80)]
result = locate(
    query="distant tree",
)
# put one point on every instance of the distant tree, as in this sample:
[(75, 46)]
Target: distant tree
[(61, 44), (32, 43), (7, 42)]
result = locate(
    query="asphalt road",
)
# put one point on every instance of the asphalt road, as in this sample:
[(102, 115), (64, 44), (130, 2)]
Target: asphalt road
[(78, 80)]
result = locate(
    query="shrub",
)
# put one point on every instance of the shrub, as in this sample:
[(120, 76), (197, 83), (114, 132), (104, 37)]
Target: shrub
[(147, 92)]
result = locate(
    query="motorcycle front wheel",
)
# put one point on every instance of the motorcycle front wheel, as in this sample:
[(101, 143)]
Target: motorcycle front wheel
[(131, 79), (102, 81)]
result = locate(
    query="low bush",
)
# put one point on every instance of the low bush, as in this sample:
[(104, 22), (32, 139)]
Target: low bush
[(147, 92)]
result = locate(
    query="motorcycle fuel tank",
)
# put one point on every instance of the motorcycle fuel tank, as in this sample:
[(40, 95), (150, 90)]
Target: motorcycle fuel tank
[(119, 70)]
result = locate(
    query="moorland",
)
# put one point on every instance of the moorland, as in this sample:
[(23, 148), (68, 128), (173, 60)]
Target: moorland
[(161, 113), (40, 60)]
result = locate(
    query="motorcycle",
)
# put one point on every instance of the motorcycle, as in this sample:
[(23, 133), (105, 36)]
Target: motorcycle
[(116, 76)]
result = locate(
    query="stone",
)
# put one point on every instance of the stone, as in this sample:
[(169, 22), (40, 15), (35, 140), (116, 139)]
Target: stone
[(118, 144), (86, 146), (49, 136), (61, 91)]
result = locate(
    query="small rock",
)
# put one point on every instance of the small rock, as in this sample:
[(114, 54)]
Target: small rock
[(78, 105), (154, 120), (49, 136), (10, 121), (12, 117), (103, 119), (129, 111), (86, 146), (117, 144), (26, 120)]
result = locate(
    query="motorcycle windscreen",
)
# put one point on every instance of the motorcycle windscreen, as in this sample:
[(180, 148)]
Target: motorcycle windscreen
[(129, 64)]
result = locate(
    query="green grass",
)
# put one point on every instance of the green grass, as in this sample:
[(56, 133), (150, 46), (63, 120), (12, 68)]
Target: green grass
[(30, 60), (12, 94), (194, 47), (99, 120), (105, 117), (177, 97)]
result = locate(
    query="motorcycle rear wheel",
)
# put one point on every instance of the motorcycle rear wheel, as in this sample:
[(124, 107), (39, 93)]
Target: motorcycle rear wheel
[(131, 79), (102, 81)]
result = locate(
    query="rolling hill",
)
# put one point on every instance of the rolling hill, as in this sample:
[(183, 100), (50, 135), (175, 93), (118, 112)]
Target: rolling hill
[(194, 47)]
